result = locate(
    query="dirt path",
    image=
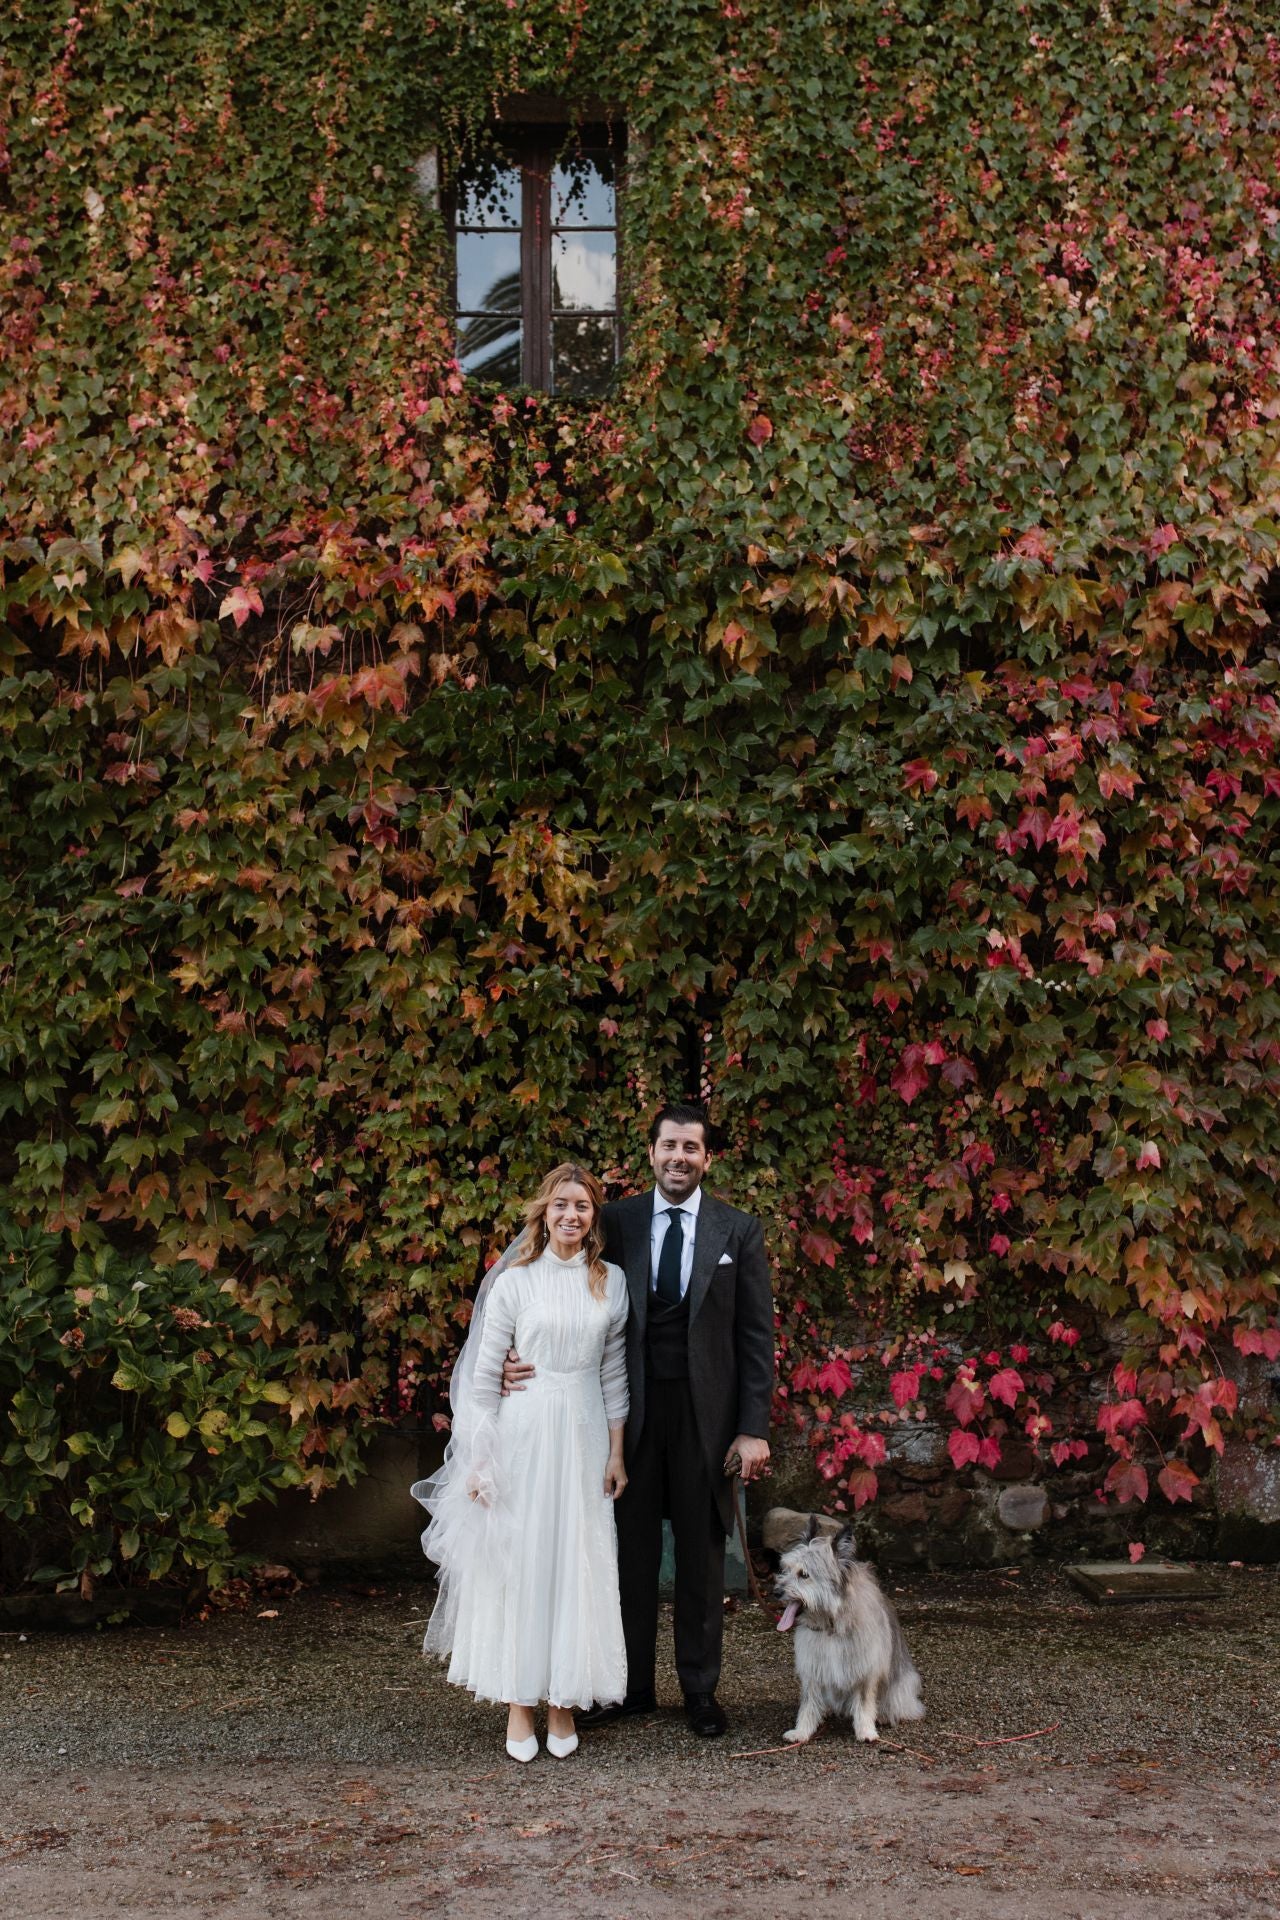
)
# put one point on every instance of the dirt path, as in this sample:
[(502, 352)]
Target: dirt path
[(312, 1764)]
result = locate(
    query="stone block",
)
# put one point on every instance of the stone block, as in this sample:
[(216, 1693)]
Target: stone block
[(783, 1527), (917, 1443), (1017, 1461), (1249, 1482), (905, 1510), (1023, 1509), (951, 1506), (1111, 1582), (1256, 1381)]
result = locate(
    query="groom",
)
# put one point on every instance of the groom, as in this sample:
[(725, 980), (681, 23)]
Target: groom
[(700, 1373)]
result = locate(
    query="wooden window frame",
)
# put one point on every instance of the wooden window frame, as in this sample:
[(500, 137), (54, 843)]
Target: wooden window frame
[(534, 133)]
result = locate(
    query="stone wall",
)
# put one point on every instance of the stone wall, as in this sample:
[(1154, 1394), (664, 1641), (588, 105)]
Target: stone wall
[(372, 1530), (928, 1514)]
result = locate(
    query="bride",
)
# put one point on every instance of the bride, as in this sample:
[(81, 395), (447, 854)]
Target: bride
[(521, 1511)]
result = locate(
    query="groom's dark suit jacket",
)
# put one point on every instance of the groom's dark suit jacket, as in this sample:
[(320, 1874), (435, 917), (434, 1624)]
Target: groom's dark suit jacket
[(730, 1326)]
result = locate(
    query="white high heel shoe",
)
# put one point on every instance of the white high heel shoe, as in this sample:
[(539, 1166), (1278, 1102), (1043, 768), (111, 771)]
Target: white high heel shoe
[(524, 1750), (562, 1746)]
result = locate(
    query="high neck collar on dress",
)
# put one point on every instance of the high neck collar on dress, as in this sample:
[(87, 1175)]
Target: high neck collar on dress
[(578, 1259)]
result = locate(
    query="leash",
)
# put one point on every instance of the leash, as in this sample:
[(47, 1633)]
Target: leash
[(740, 1515)]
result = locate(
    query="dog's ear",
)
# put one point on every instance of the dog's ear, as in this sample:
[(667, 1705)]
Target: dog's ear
[(811, 1531), (844, 1546)]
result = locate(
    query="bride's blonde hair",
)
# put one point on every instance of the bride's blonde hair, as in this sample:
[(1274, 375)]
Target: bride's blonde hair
[(533, 1241)]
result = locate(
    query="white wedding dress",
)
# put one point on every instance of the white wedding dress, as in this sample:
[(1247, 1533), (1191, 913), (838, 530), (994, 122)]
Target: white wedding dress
[(528, 1607)]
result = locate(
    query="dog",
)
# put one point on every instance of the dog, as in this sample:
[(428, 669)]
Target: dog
[(851, 1658)]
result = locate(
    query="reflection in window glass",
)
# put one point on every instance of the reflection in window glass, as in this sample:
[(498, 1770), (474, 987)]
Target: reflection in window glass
[(582, 270), (536, 265), (489, 272), (585, 351), (489, 347), (491, 200), (582, 192)]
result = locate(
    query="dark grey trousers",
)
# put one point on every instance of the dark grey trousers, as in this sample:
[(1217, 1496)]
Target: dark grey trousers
[(667, 1475)]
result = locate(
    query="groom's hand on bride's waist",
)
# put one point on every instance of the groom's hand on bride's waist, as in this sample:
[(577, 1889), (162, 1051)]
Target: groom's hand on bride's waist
[(516, 1373)]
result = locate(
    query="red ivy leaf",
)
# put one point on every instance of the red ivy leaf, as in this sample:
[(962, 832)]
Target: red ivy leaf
[(1176, 1480), (911, 1076), (1006, 1385), (959, 1073), (863, 1485), (1121, 1416), (834, 1378), (904, 1387), (760, 430), (1258, 1340), (1033, 824), (965, 1399), (918, 773), (964, 1448), (1127, 1480), (820, 1248)]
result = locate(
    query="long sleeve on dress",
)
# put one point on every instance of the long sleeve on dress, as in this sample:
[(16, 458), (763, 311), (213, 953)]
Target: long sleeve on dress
[(479, 1445), (496, 1336), (613, 1367)]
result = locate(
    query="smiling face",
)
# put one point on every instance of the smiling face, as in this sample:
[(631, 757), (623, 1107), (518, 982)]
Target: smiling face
[(679, 1158), (569, 1217)]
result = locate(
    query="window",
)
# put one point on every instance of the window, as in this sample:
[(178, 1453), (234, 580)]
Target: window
[(536, 259)]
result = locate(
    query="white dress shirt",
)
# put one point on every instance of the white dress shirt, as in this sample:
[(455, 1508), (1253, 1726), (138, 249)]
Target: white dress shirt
[(658, 1233)]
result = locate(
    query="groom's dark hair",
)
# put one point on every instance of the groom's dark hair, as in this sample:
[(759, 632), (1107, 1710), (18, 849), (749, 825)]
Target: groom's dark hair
[(681, 1113)]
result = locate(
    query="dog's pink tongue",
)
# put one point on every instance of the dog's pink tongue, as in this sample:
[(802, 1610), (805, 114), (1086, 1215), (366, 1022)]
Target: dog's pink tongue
[(788, 1619)]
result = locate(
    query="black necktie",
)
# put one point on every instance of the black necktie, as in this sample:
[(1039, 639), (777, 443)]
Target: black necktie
[(668, 1287)]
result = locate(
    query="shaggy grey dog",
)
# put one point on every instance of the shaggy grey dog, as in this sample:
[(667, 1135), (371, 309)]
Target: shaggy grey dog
[(851, 1658)]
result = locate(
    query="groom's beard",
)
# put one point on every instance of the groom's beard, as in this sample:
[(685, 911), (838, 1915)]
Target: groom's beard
[(672, 1187)]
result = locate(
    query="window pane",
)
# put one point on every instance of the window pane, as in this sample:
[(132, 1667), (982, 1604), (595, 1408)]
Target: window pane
[(582, 270), (582, 192), (489, 272), (585, 352), (490, 199), (489, 347)]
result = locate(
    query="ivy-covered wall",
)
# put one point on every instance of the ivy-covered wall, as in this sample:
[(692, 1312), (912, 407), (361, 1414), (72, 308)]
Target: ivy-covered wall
[(867, 713)]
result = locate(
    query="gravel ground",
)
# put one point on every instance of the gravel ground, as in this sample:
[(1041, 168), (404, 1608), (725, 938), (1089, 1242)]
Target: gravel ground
[(313, 1763)]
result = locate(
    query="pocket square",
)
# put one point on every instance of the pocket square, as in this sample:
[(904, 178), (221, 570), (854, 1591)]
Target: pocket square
[(725, 1260)]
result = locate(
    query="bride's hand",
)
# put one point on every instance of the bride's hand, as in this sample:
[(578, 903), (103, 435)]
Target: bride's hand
[(615, 1479)]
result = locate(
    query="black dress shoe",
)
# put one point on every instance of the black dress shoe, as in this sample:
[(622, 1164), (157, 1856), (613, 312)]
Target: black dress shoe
[(645, 1701), (704, 1714)]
